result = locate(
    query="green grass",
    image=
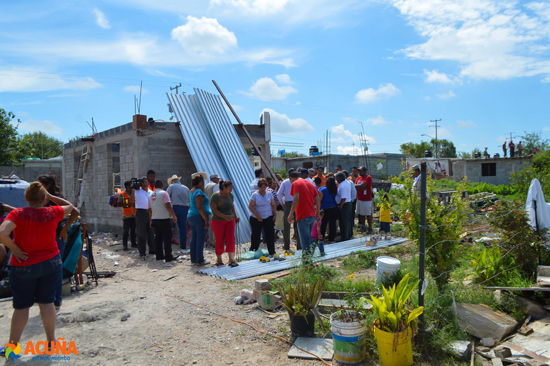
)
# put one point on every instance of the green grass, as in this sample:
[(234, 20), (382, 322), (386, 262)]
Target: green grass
[(357, 261)]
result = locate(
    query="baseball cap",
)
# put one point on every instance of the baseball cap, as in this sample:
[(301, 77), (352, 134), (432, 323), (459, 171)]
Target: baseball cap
[(304, 170), (213, 176), (361, 168), (415, 167)]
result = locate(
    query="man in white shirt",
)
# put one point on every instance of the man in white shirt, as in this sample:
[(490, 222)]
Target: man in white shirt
[(161, 215), (416, 175), (145, 232), (286, 198), (259, 173), (353, 193), (344, 190), (304, 174)]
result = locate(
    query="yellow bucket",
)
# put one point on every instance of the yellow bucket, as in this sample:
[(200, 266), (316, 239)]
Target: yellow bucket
[(394, 349)]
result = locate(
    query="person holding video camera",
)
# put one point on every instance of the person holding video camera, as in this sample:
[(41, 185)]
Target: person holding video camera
[(145, 232), (127, 201)]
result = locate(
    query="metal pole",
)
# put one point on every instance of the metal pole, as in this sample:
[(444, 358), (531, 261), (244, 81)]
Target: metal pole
[(422, 243), (247, 134)]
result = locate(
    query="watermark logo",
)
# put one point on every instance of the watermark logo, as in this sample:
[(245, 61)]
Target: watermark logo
[(60, 350), (12, 351)]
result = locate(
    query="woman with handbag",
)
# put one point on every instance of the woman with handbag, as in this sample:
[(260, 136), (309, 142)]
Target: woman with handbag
[(329, 204)]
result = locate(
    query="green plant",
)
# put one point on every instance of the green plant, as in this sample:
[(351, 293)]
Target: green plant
[(517, 239), (299, 299), (392, 311), (360, 260), (354, 310), (444, 226), (490, 268)]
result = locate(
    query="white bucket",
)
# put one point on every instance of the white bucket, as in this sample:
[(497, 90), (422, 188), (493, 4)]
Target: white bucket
[(386, 266), (349, 341)]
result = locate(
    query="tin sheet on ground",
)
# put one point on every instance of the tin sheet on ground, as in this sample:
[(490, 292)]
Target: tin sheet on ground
[(318, 346), (255, 268)]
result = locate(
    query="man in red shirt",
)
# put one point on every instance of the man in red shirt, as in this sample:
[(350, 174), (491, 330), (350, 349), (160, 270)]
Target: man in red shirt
[(365, 203), (306, 203)]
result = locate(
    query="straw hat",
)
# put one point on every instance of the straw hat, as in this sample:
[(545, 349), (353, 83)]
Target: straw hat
[(204, 176), (172, 178)]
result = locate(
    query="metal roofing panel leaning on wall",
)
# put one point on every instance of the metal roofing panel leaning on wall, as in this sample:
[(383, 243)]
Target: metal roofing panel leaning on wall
[(216, 148)]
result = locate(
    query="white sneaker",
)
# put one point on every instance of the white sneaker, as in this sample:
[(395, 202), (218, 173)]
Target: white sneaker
[(185, 251)]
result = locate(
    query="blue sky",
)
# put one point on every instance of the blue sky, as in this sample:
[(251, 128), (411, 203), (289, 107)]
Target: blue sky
[(483, 66)]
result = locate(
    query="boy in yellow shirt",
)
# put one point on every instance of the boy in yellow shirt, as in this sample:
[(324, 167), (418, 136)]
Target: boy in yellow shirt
[(385, 213)]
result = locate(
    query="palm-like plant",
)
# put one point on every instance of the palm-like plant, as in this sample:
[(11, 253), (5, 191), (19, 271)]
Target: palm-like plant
[(393, 314), (301, 298)]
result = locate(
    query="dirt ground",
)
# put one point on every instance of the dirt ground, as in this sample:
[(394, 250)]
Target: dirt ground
[(134, 319)]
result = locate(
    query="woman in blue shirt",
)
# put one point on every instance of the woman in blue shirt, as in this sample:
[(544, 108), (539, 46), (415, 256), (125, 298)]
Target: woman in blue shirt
[(198, 217), (329, 204)]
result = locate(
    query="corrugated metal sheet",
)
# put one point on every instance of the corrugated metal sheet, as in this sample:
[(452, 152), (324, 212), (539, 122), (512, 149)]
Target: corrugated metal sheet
[(255, 268), (216, 148)]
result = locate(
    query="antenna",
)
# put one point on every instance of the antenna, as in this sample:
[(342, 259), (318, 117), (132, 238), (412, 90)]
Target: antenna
[(92, 126), (139, 105), (176, 88)]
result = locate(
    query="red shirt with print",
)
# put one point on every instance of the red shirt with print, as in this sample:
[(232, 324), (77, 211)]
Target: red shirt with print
[(35, 233), (306, 203), (364, 194)]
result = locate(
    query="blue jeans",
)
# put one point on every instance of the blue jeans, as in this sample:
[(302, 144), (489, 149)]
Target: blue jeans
[(59, 290), (35, 283), (318, 244), (198, 235), (305, 226), (181, 214)]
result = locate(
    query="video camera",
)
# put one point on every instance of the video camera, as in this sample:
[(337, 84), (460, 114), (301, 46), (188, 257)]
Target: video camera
[(136, 183)]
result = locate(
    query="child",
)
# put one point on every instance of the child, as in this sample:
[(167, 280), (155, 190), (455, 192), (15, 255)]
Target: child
[(385, 213), (317, 236)]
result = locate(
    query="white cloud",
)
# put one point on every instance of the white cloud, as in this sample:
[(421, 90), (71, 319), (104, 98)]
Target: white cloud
[(267, 89), (349, 120), (204, 35), (377, 121), (427, 98), (30, 79), (284, 79), (256, 7), (101, 19), (281, 124), (465, 124), (48, 127), (489, 39), (371, 95), (439, 77), (349, 150), (135, 89), (448, 95), (22, 114), (343, 136), (546, 128), (412, 134), (443, 133)]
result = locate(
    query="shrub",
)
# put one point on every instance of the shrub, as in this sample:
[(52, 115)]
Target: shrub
[(490, 268), (444, 228), (517, 239)]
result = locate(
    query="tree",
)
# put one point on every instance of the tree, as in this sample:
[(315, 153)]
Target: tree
[(8, 138), (534, 139), (414, 150), (467, 155), (39, 145), (441, 148), (292, 154)]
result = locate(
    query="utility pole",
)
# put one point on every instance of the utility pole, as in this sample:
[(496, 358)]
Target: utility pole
[(436, 141), (176, 88)]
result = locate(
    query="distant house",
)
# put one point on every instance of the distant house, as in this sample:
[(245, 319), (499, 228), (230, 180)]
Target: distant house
[(492, 171)]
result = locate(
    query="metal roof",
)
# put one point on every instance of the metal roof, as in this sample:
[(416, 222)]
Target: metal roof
[(216, 148)]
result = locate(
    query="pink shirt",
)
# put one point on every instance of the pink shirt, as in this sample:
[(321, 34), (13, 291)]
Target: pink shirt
[(314, 233)]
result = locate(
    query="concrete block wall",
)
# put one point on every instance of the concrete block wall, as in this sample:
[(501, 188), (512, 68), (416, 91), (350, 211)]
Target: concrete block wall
[(392, 164), (160, 148), (31, 172), (471, 169)]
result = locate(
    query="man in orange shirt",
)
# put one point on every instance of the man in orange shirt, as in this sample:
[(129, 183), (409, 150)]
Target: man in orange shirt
[(127, 201), (320, 171), (354, 174), (151, 180)]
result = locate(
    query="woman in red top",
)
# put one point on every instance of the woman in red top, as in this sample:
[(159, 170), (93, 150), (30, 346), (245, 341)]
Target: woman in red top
[(36, 266)]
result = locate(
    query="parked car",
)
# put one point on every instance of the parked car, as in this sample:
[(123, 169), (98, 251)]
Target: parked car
[(12, 192)]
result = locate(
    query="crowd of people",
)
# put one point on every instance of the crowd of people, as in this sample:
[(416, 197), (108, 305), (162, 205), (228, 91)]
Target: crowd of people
[(513, 150), (308, 200)]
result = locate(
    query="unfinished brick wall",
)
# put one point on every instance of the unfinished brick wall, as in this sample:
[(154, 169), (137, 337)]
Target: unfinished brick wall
[(161, 148)]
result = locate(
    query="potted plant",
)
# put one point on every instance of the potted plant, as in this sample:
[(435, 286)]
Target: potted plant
[(299, 300), (348, 331), (395, 324)]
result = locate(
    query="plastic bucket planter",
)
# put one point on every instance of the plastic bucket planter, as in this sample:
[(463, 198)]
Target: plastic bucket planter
[(394, 349), (302, 326), (386, 266), (348, 340)]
